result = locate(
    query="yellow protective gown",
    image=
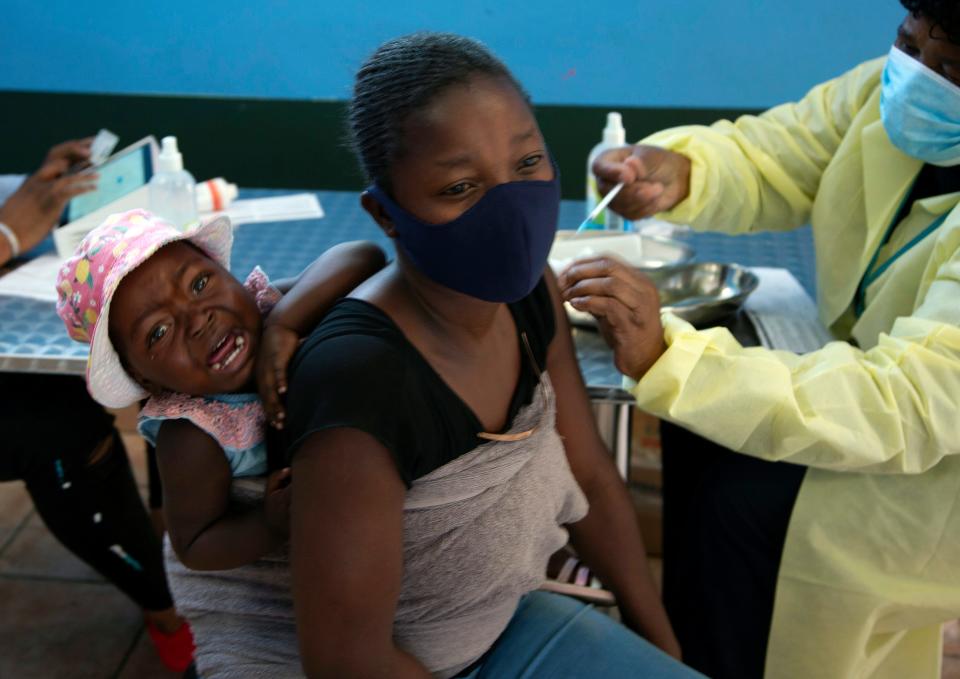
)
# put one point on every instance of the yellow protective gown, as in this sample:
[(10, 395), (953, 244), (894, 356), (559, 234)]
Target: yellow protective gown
[(871, 565)]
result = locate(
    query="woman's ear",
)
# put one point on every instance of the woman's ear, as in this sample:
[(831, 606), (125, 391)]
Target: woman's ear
[(379, 213)]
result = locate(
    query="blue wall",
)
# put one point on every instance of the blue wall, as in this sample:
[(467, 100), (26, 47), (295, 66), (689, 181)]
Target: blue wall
[(672, 53)]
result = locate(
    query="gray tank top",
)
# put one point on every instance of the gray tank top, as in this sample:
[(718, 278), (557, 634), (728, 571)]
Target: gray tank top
[(477, 536)]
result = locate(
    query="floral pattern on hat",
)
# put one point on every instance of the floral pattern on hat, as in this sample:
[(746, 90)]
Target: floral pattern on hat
[(87, 281)]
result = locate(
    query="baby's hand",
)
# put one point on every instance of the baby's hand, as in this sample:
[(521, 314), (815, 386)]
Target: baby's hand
[(276, 502), (277, 346)]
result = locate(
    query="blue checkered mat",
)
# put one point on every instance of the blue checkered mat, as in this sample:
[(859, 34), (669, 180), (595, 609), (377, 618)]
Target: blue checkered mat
[(32, 338)]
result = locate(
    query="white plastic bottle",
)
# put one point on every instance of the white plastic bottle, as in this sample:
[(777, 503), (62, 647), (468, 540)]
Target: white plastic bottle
[(172, 189), (613, 135)]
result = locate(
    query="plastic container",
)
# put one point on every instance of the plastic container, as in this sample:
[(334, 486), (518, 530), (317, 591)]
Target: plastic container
[(614, 135), (172, 189), (215, 194)]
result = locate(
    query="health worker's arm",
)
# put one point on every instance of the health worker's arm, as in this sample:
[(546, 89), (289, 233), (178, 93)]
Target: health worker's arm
[(347, 557), (761, 173), (208, 531), (892, 408), (608, 537), (305, 301)]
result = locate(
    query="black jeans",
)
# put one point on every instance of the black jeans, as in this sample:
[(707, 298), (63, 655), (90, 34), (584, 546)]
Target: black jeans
[(725, 521), (53, 430)]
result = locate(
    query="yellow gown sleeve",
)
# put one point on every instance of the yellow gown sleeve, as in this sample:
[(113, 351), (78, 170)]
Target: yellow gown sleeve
[(762, 172), (892, 408)]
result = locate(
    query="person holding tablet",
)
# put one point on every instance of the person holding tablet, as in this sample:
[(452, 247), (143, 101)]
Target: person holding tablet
[(64, 446)]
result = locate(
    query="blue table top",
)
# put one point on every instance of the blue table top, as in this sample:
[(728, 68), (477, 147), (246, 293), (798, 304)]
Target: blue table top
[(32, 338)]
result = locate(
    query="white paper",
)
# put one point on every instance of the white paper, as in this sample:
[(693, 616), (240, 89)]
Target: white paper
[(274, 209), (783, 313), (102, 146), (633, 248), (35, 279)]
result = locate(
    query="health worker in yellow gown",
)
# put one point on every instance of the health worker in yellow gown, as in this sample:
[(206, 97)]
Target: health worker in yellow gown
[(828, 544)]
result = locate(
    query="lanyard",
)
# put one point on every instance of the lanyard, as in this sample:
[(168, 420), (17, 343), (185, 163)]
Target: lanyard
[(870, 276)]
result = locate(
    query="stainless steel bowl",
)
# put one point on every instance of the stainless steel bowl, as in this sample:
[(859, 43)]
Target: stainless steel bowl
[(699, 293), (704, 292)]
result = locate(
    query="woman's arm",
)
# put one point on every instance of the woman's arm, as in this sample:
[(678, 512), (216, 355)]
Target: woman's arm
[(608, 538), (33, 209), (347, 556), (207, 530)]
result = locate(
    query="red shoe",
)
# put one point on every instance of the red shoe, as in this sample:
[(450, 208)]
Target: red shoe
[(175, 650)]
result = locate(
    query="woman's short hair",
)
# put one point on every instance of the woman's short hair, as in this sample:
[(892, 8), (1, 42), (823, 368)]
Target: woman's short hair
[(403, 76)]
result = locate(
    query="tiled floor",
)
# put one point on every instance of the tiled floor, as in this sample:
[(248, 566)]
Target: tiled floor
[(59, 619)]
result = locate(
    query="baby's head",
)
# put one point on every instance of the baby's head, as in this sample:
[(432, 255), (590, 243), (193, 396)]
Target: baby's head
[(159, 308)]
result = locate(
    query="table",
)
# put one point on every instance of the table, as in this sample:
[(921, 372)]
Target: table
[(32, 338)]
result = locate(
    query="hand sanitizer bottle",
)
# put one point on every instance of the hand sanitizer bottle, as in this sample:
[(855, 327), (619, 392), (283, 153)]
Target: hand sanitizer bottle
[(172, 189), (613, 136)]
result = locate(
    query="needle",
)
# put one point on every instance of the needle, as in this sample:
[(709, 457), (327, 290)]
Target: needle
[(600, 207)]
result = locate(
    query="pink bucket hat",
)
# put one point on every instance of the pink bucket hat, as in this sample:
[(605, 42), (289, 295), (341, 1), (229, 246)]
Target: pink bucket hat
[(87, 281)]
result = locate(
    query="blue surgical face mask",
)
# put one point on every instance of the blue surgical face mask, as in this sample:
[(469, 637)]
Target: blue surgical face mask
[(495, 251), (920, 110)]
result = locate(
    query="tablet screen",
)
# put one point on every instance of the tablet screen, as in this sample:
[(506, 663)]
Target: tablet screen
[(119, 175)]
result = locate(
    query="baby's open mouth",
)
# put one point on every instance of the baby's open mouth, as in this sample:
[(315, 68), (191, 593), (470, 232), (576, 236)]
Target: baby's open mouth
[(226, 351)]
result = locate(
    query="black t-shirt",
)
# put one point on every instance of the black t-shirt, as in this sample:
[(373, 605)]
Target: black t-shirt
[(358, 370), (932, 180), (935, 181)]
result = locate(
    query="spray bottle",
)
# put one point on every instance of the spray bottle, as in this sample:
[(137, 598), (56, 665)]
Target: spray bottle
[(613, 136), (172, 189)]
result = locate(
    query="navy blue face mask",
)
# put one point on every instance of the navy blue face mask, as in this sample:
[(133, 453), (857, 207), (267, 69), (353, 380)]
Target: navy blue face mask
[(495, 251)]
